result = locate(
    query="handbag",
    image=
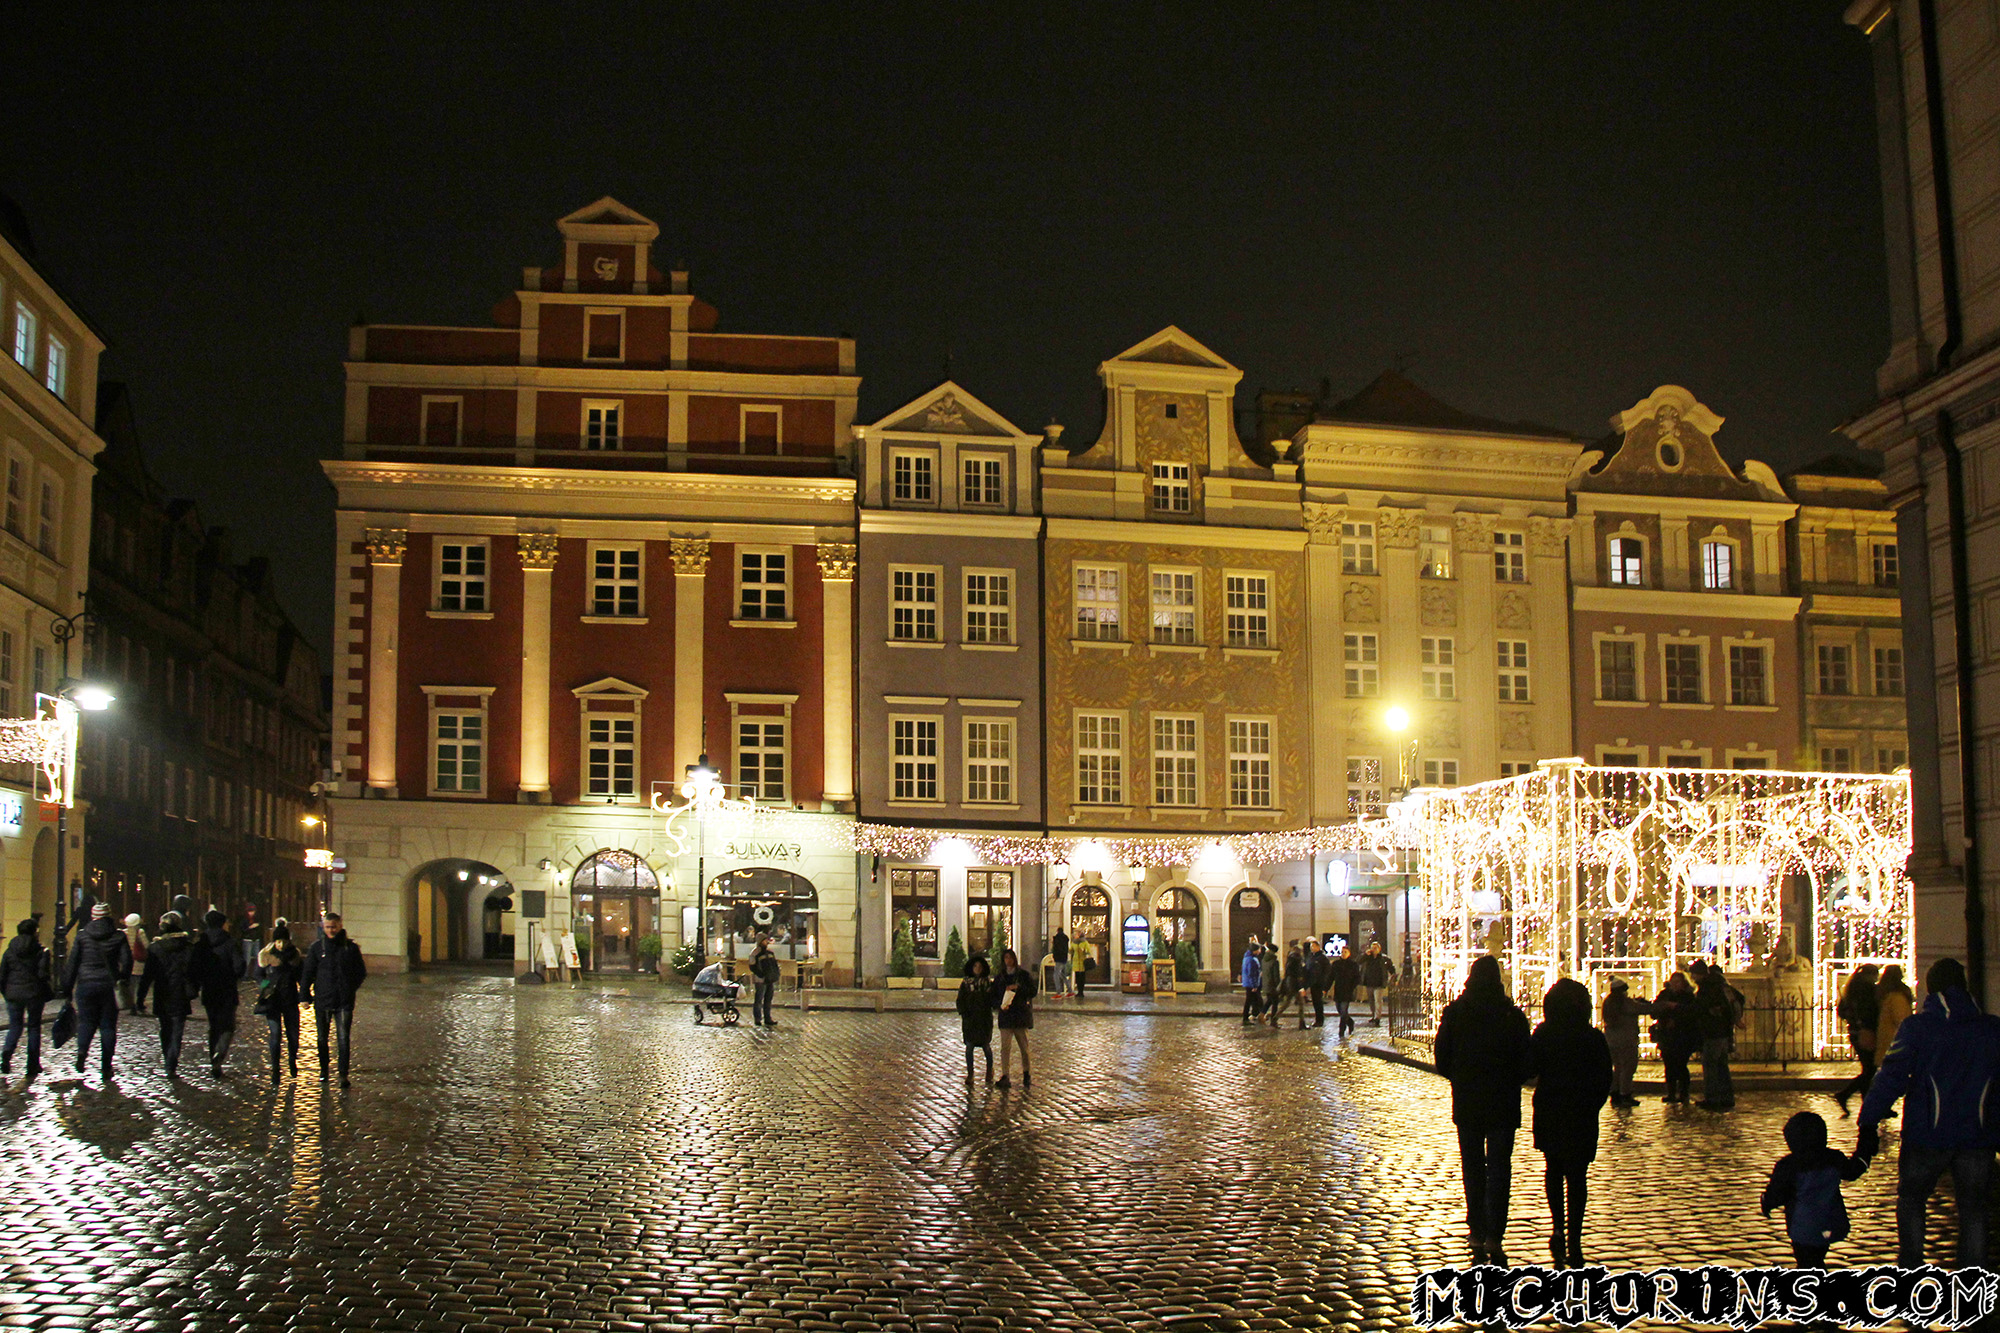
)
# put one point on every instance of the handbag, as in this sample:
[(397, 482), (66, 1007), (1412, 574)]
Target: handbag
[(65, 1026)]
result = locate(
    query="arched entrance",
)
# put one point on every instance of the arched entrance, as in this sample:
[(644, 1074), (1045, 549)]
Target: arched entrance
[(496, 923), (448, 922), (1090, 919), (762, 900), (1249, 918), (615, 901)]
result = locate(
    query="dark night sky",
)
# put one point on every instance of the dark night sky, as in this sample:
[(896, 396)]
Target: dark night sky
[(1554, 207)]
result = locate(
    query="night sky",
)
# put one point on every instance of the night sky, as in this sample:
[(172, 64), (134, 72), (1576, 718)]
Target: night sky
[(1544, 210)]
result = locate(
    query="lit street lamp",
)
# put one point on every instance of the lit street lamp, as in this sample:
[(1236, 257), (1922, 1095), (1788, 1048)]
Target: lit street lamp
[(71, 697), (1397, 720)]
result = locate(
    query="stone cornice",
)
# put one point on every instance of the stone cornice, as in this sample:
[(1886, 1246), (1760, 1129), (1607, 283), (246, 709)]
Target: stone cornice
[(601, 379), (590, 483)]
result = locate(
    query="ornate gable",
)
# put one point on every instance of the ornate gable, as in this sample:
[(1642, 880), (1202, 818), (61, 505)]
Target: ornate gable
[(1172, 346), (949, 410), (1668, 448)]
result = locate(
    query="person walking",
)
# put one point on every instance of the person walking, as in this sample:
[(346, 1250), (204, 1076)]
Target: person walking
[(218, 970), (1893, 1004), (1947, 1057), (1482, 1047), (98, 960), (278, 967), (1059, 953), (1013, 995), (1081, 954), (1861, 1010), (27, 982), (333, 971), (1377, 974), (1252, 979), (170, 977), (975, 1012), (764, 971), (1316, 982), (249, 935), (135, 939), (1676, 1036), (1270, 981), (1346, 976), (1291, 984), (1571, 1063), (1806, 1184), (1715, 1019), (1621, 1032)]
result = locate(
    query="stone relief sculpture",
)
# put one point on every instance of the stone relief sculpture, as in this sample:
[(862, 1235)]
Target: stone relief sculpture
[(1516, 731), (1512, 612), (1439, 604), (1441, 728), (1547, 536), (1357, 604)]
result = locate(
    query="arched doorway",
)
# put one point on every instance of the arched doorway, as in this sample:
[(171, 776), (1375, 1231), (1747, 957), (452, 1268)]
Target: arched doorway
[(762, 900), (447, 913), (1090, 919), (1177, 913), (1249, 918), (615, 901)]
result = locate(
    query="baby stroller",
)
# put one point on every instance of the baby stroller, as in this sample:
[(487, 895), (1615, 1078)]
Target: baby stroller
[(715, 996)]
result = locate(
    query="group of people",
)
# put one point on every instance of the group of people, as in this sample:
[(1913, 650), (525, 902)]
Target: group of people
[(175, 967), (1948, 1050), (1272, 983), (1071, 962), (1005, 999)]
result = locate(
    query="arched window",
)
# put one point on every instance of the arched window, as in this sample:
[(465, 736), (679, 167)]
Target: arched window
[(760, 900), (615, 871), (616, 899), (1178, 916)]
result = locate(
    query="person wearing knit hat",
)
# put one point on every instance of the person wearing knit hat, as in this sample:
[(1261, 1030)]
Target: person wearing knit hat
[(169, 976), (26, 982), (98, 960), (135, 938)]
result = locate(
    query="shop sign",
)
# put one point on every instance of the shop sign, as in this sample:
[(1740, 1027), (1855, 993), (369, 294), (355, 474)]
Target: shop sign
[(766, 851), (319, 858), (12, 811)]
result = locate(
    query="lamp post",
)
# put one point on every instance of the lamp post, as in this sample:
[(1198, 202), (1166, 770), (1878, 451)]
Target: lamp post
[(1397, 720), (323, 821), (71, 696), (703, 791)]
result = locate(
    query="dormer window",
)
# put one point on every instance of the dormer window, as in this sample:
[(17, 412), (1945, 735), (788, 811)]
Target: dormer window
[(913, 477), (1628, 562), (1173, 488)]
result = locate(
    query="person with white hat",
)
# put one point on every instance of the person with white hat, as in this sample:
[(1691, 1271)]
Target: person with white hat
[(135, 939), (98, 961)]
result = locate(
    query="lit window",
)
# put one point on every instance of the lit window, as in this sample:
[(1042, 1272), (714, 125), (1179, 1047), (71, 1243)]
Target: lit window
[(459, 749), (1889, 671), (1099, 592), (1434, 550), (1173, 488), (1512, 657), (1836, 669), (989, 606), (600, 425), (914, 746), (1440, 772), (1364, 788), (1357, 548), (1617, 669), (1362, 665), (461, 584), (760, 758), (1440, 659), (913, 902), (1176, 756), (1683, 672), (1510, 557), (611, 758), (1718, 565), (27, 324), (1100, 759), (989, 761), (614, 581), (1173, 606), (1884, 563), (981, 483), (913, 604), (1248, 610), (1628, 561), (763, 585), (1249, 763), (913, 478), (55, 373), (1747, 676)]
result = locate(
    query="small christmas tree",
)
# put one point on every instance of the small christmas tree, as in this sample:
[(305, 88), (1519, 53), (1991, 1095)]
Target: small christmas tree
[(1187, 967), (954, 954), (903, 954)]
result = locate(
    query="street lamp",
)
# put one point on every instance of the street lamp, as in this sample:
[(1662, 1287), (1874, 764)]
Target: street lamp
[(1397, 720), (703, 791), (71, 698)]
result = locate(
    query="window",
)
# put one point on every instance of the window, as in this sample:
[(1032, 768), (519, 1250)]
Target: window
[(1512, 657), (1888, 761), (1510, 557), (1836, 759), (1440, 772), (1620, 759), (26, 326), (1173, 488), (1434, 550), (762, 585), (1249, 763), (611, 758), (56, 373), (760, 758), (1836, 669), (1171, 411), (1747, 676), (600, 425), (1683, 671), (17, 494), (614, 581), (7, 673), (1681, 760), (1100, 759), (1362, 664), (1364, 788), (913, 604), (440, 427), (913, 478), (45, 538), (1357, 548), (604, 335), (1173, 606), (914, 751), (458, 749), (989, 761), (1628, 561), (1883, 560), (1440, 657), (989, 606), (189, 811), (461, 579), (761, 427), (170, 790), (1247, 610), (1718, 566), (981, 484), (1176, 756), (1617, 669), (1515, 770), (1099, 591), (1889, 671), (913, 902)]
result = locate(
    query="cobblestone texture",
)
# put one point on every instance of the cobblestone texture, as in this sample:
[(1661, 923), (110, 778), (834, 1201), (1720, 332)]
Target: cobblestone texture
[(546, 1158)]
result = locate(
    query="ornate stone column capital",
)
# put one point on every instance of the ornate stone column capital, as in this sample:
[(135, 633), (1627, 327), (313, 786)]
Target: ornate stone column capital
[(1397, 527), (690, 556), (538, 550), (386, 545), (1475, 529), (1323, 523), (836, 560), (1547, 536)]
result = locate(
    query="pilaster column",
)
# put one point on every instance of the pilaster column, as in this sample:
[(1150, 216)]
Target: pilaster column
[(1323, 654), (690, 556), (1548, 594), (538, 565), (385, 595), (836, 572)]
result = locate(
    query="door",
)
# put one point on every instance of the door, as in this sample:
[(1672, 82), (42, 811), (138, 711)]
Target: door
[(989, 913), (613, 951), (1249, 919), (1090, 919)]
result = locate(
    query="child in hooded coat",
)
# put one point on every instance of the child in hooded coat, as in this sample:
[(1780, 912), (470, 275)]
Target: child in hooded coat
[(1806, 1184), (975, 1013)]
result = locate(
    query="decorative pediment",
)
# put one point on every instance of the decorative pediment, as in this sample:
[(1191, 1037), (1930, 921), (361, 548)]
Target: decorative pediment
[(1668, 448), (610, 687), (1172, 346), (608, 213), (949, 410)]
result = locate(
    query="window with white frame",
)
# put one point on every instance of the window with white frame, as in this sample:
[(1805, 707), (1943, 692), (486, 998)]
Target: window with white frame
[(1440, 667), (1618, 669), (1510, 557), (611, 757), (27, 327), (1718, 565), (989, 606), (1440, 772), (761, 756), (461, 575), (1176, 760), (1836, 759), (1889, 671), (1628, 561), (763, 584), (17, 494), (1749, 675), (1682, 674), (442, 422), (458, 751), (1357, 548), (1100, 592), (1247, 610), (1511, 657), (601, 423), (1361, 655), (1250, 763), (55, 372), (913, 743), (989, 760), (1364, 787), (1173, 606), (47, 534), (1173, 488), (1836, 668), (1434, 550), (913, 603), (913, 477), (982, 481), (616, 581), (1100, 759), (1884, 564), (604, 335)]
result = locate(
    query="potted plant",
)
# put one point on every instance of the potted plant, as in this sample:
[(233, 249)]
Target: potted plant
[(903, 961), (954, 954), (583, 949), (648, 950), (1187, 969), (684, 961)]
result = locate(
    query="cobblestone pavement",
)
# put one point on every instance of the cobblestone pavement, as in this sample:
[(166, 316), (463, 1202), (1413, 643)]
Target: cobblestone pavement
[(541, 1157)]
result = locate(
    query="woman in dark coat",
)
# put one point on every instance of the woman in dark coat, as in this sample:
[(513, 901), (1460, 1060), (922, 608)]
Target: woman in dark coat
[(1571, 1061), (975, 1012), (1675, 1034), (27, 981), (1014, 1000), (278, 965), (1482, 1047), (170, 976), (1861, 1010)]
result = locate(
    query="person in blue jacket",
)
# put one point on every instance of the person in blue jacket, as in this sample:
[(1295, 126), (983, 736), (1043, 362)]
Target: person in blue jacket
[(1253, 984), (1946, 1058)]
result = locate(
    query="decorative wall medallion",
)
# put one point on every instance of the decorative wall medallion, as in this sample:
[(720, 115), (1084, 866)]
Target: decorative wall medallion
[(945, 414)]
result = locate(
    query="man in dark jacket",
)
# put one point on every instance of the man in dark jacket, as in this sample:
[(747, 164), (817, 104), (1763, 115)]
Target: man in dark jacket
[(332, 973), (27, 981), (219, 969), (1482, 1047), (764, 968), (1376, 974), (1345, 974), (98, 961), (1715, 1018), (1316, 982), (1059, 951), (169, 975), (1947, 1057)]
